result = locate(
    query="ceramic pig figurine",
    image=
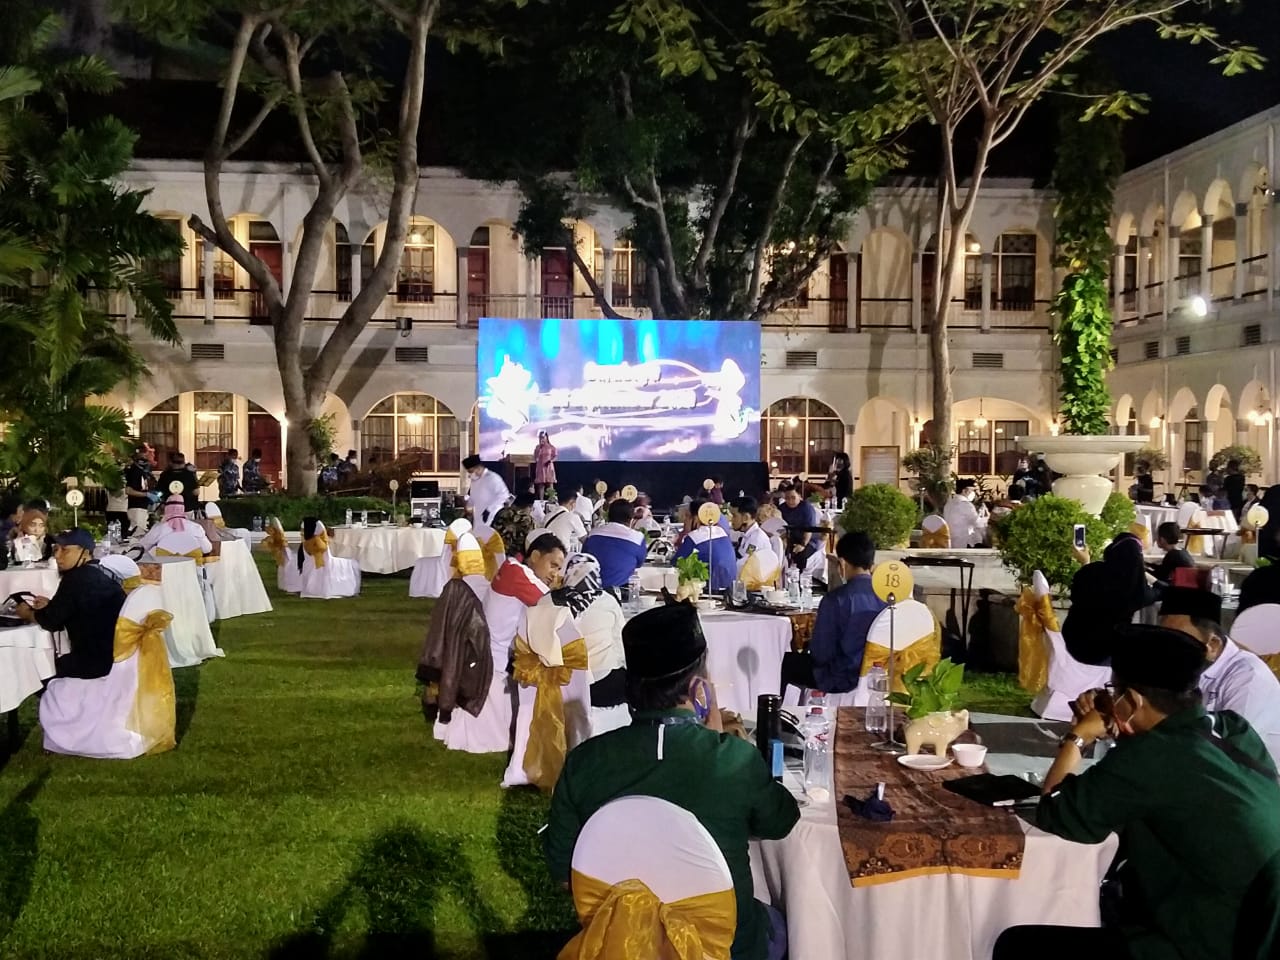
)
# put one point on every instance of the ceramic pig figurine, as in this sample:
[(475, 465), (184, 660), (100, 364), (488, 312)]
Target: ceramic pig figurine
[(937, 730)]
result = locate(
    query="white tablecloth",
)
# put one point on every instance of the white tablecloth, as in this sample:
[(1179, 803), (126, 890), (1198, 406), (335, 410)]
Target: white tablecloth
[(237, 585), (1153, 516), (744, 656), (386, 549), (26, 660), (654, 578), (188, 637), (42, 581), (939, 917)]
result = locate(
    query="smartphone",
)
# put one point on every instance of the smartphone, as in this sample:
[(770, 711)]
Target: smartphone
[(1077, 534)]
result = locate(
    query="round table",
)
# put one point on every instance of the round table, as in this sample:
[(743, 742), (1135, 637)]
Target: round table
[(26, 661), (386, 549), (237, 584), (41, 580)]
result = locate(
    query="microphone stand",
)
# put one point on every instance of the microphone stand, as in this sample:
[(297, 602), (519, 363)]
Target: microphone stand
[(890, 744)]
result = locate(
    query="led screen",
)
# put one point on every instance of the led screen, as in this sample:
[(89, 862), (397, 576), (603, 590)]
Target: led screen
[(620, 389)]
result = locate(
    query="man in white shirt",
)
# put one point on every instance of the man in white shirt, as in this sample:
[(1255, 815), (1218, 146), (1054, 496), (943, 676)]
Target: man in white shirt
[(1235, 679), (583, 506), (962, 516), (565, 523), (487, 493), (751, 538)]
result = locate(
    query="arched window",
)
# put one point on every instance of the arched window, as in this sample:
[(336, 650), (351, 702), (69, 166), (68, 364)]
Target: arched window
[(416, 282), (342, 263), (1014, 276), (800, 437), (411, 425), (1193, 441), (160, 429)]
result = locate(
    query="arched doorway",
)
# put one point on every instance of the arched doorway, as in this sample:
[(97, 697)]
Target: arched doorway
[(800, 437), (415, 427)]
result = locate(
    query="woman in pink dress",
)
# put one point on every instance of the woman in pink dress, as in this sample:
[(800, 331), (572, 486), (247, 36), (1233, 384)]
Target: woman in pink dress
[(544, 464)]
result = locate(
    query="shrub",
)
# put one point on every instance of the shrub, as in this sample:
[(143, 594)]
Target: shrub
[(1119, 514), (240, 511), (882, 512), (932, 466), (1153, 457), (1250, 459), (1038, 536)]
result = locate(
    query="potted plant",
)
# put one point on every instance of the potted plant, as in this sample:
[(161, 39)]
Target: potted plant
[(882, 512), (931, 701), (694, 575), (932, 466), (1152, 458), (1038, 536)]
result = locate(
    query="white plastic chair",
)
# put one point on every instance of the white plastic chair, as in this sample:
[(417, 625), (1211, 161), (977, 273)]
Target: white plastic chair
[(1258, 629), (337, 578), (1068, 677), (88, 718)]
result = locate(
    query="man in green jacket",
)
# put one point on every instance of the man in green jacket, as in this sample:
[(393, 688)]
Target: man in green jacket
[(676, 750), (1193, 797)]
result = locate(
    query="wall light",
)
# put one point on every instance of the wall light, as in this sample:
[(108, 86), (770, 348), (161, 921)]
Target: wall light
[(415, 238), (981, 422), (413, 419), (1198, 306), (1156, 422), (793, 422)]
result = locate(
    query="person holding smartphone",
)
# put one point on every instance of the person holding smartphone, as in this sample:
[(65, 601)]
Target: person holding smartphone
[(1105, 595), (676, 749), (1193, 797)]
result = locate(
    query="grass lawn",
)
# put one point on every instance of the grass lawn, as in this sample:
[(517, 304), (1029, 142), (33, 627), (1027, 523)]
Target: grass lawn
[(307, 813)]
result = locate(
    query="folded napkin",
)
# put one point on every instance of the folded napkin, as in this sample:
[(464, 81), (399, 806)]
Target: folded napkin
[(872, 808)]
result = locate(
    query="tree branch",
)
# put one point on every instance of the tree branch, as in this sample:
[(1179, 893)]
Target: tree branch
[(597, 292), (298, 104), (231, 87), (771, 217), (741, 133)]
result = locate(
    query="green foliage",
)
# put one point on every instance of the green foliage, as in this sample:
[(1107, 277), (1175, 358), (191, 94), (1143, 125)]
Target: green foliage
[(935, 692), (691, 568), (323, 433), (882, 512), (1250, 459), (1038, 536), (240, 511), (1154, 457), (1090, 160), (1118, 514), (932, 466)]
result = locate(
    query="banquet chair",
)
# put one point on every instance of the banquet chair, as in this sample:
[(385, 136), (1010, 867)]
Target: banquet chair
[(492, 546), (130, 711), (214, 513), (934, 533), (651, 863), (550, 662), (1258, 629), (430, 574), (182, 543), (288, 577), (324, 576), (761, 570), (1068, 677)]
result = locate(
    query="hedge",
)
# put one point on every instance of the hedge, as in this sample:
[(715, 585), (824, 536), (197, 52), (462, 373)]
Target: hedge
[(240, 511)]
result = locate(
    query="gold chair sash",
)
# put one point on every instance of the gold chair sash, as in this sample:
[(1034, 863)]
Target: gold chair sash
[(939, 539), (1035, 617), (219, 523), (316, 548), (131, 584), (1195, 545), (195, 555), (275, 544), (544, 757), (627, 921), (753, 578), (468, 563), (1273, 661), (495, 553), (154, 713), (1142, 532), (926, 650)]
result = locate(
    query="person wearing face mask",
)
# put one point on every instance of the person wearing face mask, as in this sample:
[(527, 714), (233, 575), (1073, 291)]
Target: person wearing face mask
[(676, 750), (1193, 797), (487, 492), (229, 474), (962, 516)]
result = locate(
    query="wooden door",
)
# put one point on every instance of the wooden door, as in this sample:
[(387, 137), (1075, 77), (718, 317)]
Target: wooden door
[(838, 318), (557, 284), (272, 254), (477, 283), (264, 435)]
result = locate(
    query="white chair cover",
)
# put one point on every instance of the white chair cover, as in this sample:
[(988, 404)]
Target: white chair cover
[(480, 587), (288, 576), (184, 543), (1258, 629), (1068, 677), (86, 718), (913, 623), (237, 585), (430, 574), (490, 732), (337, 578), (655, 842)]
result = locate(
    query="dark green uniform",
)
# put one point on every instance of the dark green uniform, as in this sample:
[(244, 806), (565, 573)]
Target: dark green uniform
[(1195, 828), (721, 779)]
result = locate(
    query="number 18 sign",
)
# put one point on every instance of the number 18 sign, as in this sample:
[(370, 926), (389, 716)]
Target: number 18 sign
[(892, 578)]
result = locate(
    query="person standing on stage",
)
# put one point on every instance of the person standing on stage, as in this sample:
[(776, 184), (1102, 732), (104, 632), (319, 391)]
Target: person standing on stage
[(544, 464)]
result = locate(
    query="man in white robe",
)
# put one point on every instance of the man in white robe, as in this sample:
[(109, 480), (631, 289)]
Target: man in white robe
[(487, 493)]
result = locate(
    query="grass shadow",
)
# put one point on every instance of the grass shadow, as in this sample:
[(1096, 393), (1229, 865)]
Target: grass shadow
[(399, 880), (19, 848), (15, 732), (549, 919), (186, 688)]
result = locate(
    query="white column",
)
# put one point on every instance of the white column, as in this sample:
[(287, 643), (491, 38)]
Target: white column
[(208, 282), (988, 263), (1206, 258), (917, 292), (1143, 274), (464, 449), (606, 282), (1242, 244), (286, 268), (356, 273), (463, 312), (853, 308), (530, 278), (1172, 245)]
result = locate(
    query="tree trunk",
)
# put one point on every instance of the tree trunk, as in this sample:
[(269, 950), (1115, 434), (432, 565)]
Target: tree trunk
[(301, 468)]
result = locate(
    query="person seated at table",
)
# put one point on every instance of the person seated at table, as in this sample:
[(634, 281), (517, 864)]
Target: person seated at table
[(712, 546), (1169, 539), (962, 516), (832, 662), (600, 620), (770, 520), (1192, 795), (1234, 679), (1213, 498), (752, 541), (85, 605), (1105, 595), (10, 516), (643, 519), (514, 522), (564, 522), (797, 512), (619, 548), (675, 749), (176, 522), (30, 538)]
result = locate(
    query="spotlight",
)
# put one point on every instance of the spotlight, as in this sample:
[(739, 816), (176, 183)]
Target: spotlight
[(1198, 306), (404, 325)]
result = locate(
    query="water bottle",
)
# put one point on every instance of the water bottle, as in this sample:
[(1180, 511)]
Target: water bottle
[(257, 524), (806, 591), (633, 592), (348, 523), (1218, 580), (793, 586), (817, 755), (877, 700)]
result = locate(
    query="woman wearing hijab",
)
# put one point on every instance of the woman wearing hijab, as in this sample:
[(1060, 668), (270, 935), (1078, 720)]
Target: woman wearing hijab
[(599, 619), (1106, 595)]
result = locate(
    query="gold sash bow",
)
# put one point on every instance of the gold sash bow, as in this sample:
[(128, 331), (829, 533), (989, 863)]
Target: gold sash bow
[(939, 539), (1036, 616), (926, 650), (316, 548), (1142, 532), (195, 555), (544, 757), (468, 563), (627, 920), (275, 544), (754, 578), (219, 522), (1248, 535), (495, 553), (153, 716), (131, 584), (1195, 545)]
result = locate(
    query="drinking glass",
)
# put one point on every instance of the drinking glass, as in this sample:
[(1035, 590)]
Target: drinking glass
[(739, 592)]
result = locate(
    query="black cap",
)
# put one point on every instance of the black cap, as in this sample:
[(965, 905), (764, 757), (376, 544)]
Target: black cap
[(663, 642), (471, 461), (76, 537), (1188, 602), (1157, 657)]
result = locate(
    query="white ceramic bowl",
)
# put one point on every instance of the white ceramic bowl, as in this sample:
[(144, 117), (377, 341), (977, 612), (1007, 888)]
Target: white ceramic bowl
[(969, 754)]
